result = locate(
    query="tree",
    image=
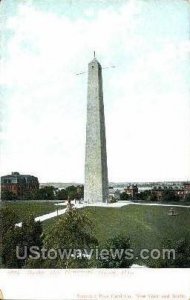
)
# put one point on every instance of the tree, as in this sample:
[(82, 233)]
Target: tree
[(8, 195), (73, 231), (28, 195), (124, 196), (179, 257), (144, 195), (8, 219), (61, 194), (169, 195), (153, 197), (45, 193), (17, 243), (72, 192), (119, 255), (187, 198), (10, 241), (112, 200)]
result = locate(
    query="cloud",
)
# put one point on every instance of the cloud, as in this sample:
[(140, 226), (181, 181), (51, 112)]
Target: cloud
[(146, 95)]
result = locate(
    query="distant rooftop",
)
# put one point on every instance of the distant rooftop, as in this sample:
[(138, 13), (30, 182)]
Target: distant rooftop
[(15, 173), (17, 177)]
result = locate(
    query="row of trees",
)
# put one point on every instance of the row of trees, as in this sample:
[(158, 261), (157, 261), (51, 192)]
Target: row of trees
[(74, 230), (48, 193), (77, 192), (167, 196), (145, 195)]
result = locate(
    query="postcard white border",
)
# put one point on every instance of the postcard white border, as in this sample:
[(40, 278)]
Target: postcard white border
[(96, 284)]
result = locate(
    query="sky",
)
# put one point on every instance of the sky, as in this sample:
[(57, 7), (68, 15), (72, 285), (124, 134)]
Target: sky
[(43, 102)]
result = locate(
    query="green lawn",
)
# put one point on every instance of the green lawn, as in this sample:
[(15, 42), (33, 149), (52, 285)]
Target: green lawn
[(147, 226), (25, 209)]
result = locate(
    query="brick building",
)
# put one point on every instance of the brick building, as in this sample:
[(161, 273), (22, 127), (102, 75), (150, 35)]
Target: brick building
[(186, 188), (182, 191), (19, 184), (131, 190)]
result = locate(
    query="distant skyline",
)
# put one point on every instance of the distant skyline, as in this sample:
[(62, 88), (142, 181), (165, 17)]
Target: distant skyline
[(147, 96)]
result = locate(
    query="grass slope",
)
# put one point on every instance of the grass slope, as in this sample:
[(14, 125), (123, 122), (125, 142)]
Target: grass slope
[(147, 226), (25, 209)]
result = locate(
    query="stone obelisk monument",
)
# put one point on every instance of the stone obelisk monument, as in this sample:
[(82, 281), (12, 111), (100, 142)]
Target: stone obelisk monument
[(96, 174)]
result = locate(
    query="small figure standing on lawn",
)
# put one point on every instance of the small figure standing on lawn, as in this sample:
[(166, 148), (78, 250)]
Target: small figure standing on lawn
[(172, 212)]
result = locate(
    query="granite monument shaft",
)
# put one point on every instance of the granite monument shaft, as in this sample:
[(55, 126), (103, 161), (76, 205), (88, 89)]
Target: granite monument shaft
[(96, 174)]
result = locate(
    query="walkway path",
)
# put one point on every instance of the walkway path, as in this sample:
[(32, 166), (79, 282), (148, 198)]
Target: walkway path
[(118, 204)]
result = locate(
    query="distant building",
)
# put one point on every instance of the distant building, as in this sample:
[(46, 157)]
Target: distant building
[(114, 194), (181, 190), (19, 184), (158, 192), (131, 190), (186, 188)]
